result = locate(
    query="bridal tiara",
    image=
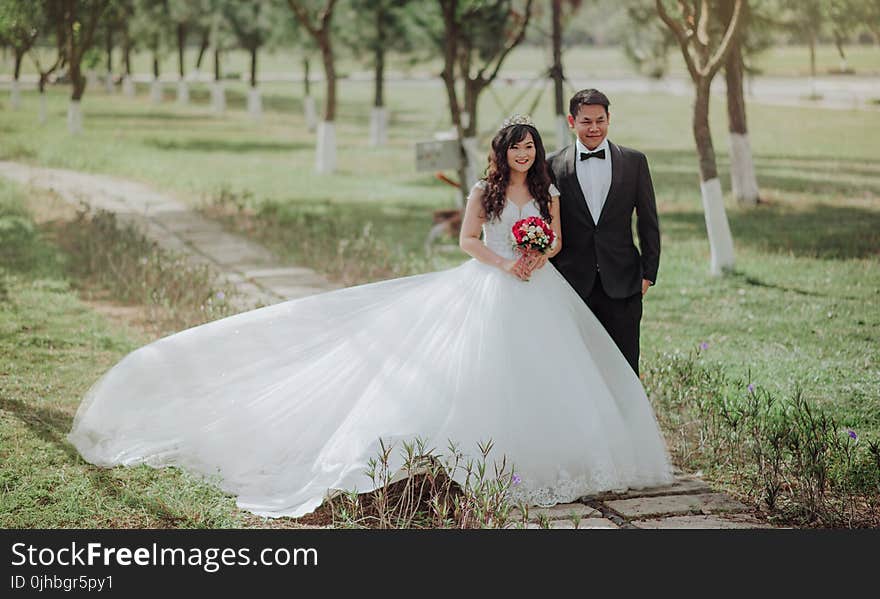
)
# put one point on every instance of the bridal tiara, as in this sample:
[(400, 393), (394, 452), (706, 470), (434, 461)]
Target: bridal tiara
[(517, 119)]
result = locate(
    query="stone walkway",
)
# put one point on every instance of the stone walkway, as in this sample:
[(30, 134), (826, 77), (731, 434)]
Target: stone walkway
[(254, 271), (687, 503), (261, 279)]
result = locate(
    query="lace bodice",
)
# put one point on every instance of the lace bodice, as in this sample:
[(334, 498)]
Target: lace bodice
[(497, 232)]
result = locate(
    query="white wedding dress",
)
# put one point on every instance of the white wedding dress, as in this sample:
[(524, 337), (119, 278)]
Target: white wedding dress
[(284, 404)]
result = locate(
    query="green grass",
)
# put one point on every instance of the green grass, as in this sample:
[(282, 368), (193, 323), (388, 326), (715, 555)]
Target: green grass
[(803, 307), (52, 348)]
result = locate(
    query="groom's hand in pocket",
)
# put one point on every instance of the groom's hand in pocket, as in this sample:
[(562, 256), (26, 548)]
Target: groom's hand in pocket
[(645, 284)]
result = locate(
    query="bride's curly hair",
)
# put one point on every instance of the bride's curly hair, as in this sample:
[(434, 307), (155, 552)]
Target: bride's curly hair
[(498, 172)]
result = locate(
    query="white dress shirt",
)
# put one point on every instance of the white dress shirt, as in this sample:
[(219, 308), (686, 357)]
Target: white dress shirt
[(594, 175)]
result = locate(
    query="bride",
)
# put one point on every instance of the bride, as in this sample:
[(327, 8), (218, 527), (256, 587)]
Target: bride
[(284, 404)]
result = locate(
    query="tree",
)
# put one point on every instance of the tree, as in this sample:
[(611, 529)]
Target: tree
[(317, 18), (184, 17), (151, 27), (374, 28), (704, 55), (251, 23), (805, 19), (475, 39), (845, 17), (563, 136), (20, 22), (744, 182), (80, 20), (51, 22)]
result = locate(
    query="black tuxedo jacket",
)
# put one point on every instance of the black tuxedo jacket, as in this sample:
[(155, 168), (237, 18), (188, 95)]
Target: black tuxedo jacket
[(607, 246)]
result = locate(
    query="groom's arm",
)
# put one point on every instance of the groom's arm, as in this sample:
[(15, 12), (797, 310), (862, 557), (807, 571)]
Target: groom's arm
[(647, 222)]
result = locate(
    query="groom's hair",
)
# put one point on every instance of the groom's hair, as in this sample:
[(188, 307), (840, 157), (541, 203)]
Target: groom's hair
[(587, 96)]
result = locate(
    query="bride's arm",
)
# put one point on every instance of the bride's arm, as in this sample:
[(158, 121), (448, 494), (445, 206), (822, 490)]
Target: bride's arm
[(471, 226)]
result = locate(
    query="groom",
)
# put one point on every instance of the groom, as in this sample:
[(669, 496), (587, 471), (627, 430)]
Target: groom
[(601, 184)]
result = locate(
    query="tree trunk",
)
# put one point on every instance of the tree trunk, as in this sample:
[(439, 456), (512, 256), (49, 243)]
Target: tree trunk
[(306, 82), (702, 133), (203, 47), (838, 43), (155, 66), (126, 54), (217, 64), (562, 133), (379, 115), (109, 50), (309, 108), (717, 227), (744, 183), (254, 51), (181, 48), (77, 81), (330, 74), (326, 148), (19, 56)]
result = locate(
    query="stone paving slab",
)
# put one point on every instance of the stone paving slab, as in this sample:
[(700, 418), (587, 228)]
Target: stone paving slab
[(703, 503), (683, 485), (557, 512), (699, 522)]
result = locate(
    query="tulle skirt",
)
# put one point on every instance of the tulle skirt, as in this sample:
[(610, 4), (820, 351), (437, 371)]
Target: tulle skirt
[(285, 404)]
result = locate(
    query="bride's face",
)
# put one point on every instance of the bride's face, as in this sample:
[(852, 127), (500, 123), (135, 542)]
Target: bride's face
[(521, 155)]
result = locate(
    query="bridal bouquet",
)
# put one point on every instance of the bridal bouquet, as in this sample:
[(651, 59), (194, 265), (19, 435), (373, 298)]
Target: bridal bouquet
[(533, 234)]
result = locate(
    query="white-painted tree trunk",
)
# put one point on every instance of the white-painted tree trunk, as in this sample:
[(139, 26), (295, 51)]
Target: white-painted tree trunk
[(255, 103), (91, 79), (742, 170), (156, 91), (379, 126), (108, 83), (720, 239), (44, 109), (74, 118), (218, 97), (128, 86), (563, 132), (311, 113), (15, 95), (326, 150), (182, 92), (472, 172)]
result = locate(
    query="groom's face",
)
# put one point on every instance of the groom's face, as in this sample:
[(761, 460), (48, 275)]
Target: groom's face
[(590, 124)]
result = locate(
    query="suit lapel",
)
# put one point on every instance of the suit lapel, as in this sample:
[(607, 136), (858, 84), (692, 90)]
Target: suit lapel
[(574, 186), (616, 177)]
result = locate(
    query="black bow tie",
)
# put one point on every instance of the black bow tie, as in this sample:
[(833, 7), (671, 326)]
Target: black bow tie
[(596, 154)]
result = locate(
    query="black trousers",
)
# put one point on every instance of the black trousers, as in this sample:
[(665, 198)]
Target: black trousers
[(621, 318)]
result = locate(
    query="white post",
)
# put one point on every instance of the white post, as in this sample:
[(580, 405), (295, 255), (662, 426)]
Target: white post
[(311, 113), (563, 132), (15, 95), (182, 92), (254, 103), (326, 150), (44, 110), (218, 97), (379, 126), (473, 161), (742, 170), (156, 91), (74, 117), (717, 227), (91, 78), (128, 86)]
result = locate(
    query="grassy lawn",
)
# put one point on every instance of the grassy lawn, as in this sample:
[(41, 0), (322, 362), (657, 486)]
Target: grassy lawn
[(802, 309)]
